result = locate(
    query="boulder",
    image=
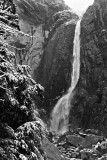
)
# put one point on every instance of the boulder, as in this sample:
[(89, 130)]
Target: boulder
[(84, 142), (75, 140), (52, 152), (91, 140)]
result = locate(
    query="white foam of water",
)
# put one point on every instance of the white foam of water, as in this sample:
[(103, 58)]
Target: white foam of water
[(60, 113)]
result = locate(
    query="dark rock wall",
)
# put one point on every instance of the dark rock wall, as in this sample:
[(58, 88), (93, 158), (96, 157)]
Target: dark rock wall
[(56, 65), (39, 11), (90, 102)]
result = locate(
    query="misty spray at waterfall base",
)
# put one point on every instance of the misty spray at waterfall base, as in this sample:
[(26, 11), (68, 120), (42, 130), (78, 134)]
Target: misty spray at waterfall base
[(60, 113)]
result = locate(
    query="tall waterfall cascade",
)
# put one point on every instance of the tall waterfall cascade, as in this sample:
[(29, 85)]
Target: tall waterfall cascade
[(60, 113)]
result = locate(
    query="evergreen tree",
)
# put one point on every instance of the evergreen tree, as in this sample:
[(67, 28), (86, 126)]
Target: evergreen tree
[(8, 14)]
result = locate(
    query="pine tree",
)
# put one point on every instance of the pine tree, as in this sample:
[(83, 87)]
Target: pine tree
[(8, 14)]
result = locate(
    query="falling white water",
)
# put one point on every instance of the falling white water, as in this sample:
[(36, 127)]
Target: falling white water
[(60, 113)]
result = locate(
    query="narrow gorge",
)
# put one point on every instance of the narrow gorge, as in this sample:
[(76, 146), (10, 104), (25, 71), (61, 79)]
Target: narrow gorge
[(53, 80)]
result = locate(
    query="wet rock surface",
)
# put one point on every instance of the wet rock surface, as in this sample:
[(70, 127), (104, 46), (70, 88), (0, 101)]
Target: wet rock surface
[(90, 98), (55, 67)]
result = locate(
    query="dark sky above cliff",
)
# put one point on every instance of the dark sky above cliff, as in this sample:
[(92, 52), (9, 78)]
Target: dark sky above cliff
[(79, 5)]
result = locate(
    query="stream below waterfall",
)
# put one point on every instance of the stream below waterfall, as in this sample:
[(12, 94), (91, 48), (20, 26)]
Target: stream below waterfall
[(60, 113)]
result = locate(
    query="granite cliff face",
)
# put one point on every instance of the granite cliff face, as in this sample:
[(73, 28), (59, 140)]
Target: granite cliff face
[(56, 65), (90, 109), (89, 103), (35, 19)]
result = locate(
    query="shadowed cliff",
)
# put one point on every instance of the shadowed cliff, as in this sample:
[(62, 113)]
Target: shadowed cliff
[(56, 65), (90, 99)]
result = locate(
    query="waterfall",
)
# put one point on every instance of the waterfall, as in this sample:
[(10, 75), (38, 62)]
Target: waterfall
[(60, 113)]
